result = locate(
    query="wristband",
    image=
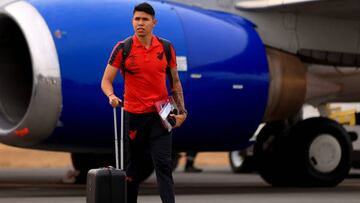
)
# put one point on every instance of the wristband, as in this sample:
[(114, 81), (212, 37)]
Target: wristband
[(184, 111), (111, 94)]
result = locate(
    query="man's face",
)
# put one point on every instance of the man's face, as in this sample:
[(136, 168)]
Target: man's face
[(143, 23)]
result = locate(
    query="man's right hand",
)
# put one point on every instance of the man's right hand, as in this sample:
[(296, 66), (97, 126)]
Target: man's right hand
[(114, 101)]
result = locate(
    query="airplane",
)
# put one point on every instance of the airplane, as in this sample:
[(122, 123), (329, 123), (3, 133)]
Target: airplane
[(258, 64), (324, 36)]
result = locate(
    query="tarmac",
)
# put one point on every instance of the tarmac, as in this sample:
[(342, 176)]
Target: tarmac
[(214, 185)]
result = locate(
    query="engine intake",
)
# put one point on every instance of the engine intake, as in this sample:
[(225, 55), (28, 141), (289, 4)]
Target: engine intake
[(30, 88)]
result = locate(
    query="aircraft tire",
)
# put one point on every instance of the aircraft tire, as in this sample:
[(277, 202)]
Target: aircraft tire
[(321, 152), (270, 157), (240, 162), (82, 163), (356, 164)]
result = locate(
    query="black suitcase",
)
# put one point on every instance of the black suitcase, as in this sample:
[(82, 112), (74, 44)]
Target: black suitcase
[(108, 185)]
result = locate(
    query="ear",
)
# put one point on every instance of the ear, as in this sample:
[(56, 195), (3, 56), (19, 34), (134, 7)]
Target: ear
[(155, 21)]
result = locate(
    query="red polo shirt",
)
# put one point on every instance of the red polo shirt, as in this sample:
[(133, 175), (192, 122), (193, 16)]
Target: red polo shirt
[(147, 84)]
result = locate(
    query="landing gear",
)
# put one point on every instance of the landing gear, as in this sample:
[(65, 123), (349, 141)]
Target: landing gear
[(241, 161), (323, 150), (314, 152), (270, 155), (84, 162)]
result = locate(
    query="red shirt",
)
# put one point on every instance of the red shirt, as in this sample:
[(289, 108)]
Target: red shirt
[(148, 83)]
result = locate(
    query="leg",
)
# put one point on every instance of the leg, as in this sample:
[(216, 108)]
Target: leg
[(140, 165), (139, 162), (161, 147), (190, 159)]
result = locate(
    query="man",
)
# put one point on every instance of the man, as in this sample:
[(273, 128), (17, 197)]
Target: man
[(189, 165), (145, 83)]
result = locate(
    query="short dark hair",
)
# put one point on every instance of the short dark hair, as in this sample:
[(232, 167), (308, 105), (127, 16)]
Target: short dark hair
[(145, 7)]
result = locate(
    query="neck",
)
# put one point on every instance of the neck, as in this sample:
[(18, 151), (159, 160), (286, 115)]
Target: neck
[(145, 40)]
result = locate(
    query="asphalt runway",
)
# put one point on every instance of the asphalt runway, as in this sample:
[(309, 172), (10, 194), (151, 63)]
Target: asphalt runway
[(214, 185)]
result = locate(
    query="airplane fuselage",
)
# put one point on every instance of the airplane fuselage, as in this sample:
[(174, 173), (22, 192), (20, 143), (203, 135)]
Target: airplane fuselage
[(221, 62)]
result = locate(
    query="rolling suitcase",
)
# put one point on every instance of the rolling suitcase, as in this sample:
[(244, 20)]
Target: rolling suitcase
[(108, 185)]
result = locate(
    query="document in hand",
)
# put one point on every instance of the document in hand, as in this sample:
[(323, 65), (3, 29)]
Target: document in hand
[(164, 108)]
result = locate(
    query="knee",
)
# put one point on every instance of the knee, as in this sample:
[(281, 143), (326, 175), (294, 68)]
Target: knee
[(164, 165)]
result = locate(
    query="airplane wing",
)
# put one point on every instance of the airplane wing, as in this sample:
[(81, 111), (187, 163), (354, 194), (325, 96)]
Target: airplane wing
[(265, 4), (344, 9)]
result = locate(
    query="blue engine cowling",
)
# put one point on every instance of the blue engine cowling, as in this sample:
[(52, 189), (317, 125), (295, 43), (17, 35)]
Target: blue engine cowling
[(222, 65)]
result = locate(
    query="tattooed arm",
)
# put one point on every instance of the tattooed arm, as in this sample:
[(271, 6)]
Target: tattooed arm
[(177, 93)]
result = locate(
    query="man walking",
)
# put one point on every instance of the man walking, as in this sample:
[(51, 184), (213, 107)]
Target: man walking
[(189, 164), (144, 72)]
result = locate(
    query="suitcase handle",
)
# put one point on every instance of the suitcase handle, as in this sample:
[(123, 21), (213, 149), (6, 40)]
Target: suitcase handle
[(121, 139)]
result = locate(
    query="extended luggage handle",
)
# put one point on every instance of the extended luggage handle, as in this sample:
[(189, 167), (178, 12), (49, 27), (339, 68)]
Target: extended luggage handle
[(121, 139)]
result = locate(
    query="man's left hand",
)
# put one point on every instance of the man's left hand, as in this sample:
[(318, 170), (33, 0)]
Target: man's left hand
[(179, 119)]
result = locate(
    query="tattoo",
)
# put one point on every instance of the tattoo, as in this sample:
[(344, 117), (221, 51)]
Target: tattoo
[(176, 90)]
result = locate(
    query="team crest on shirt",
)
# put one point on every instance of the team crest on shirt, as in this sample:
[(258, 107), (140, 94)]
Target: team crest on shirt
[(160, 55), (132, 61)]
